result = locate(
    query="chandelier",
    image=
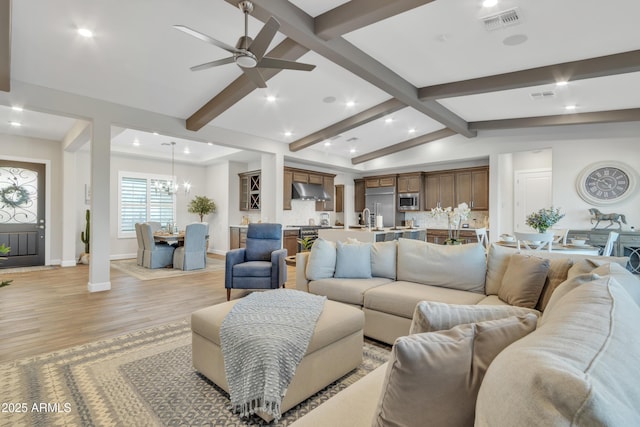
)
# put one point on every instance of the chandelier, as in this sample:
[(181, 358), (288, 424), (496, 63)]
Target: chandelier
[(169, 186)]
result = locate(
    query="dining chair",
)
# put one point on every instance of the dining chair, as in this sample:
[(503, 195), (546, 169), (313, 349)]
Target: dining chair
[(534, 241), (483, 239), (154, 255), (560, 235), (140, 243), (190, 255), (155, 225), (608, 248)]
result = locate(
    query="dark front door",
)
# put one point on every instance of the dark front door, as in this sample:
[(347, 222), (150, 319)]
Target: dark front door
[(22, 221)]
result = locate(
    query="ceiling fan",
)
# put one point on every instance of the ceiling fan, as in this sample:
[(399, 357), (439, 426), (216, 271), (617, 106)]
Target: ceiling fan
[(248, 53)]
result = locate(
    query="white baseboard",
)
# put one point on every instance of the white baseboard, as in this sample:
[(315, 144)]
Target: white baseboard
[(99, 287), (123, 256), (68, 263)]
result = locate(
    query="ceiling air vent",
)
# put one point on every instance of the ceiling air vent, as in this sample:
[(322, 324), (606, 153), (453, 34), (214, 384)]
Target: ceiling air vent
[(502, 19), (543, 95)]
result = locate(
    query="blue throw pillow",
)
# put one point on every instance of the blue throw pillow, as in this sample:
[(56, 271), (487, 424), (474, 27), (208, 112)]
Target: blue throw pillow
[(322, 260), (353, 261)]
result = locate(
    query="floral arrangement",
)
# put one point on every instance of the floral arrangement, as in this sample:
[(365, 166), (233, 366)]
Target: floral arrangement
[(455, 217), (544, 219)]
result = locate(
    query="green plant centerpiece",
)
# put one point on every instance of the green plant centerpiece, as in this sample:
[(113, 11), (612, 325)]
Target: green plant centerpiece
[(306, 243), (4, 250), (202, 205), (544, 219)]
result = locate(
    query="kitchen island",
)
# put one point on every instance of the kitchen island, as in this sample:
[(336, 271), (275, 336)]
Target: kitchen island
[(373, 235)]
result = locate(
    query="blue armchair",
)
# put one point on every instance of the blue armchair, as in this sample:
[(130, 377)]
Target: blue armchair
[(261, 264), (154, 255), (193, 254)]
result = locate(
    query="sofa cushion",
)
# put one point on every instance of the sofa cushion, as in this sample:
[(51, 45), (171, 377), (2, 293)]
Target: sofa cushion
[(558, 272), (491, 300), (252, 269), (430, 316), (401, 298), (589, 264), (523, 280), (433, 378), (498, 260), (383, 259), (629, 282), (580, 367), (322, 260), (353, 260), (461, 267), (349, 291)]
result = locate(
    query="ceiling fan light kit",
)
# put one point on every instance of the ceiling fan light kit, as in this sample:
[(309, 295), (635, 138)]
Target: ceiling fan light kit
[(248, 53)]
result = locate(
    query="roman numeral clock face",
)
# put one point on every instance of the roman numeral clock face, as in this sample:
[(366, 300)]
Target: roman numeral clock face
[(605, 183)]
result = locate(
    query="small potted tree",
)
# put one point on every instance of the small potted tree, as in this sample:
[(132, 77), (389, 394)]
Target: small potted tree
[(4, 250), (202, 206)]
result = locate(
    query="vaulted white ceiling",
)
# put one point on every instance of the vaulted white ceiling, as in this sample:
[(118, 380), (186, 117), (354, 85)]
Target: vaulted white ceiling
[(137, 59)]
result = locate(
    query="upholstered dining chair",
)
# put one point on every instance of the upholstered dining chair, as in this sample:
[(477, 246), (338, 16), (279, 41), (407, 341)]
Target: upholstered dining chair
[(483, 239), (154, 255), (259, 265), (608, 248), (140, 243), (543, 241), (155, 225), (190, 255)]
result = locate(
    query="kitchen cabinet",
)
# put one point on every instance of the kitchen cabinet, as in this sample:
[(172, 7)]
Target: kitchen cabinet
[(472, 187), (237, 237), (439, 190), (290, 241), (316, 179), (287, 181), (250, 191), (299, 176), (440, 236), (339, 201), (410, 183), (381, 181), (327, 184), (359, 202)]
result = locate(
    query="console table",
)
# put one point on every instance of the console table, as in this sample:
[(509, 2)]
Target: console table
[(628, 244)]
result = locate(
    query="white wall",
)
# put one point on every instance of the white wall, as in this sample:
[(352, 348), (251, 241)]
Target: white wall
[(218, 178)]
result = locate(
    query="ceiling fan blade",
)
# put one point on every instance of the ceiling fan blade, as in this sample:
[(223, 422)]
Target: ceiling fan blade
[(260, 44), (255, 76), (206, 38), (212, 64), (284, 64)]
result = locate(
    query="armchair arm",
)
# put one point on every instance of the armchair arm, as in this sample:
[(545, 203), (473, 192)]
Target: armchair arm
[(278, 268), (233, 257)]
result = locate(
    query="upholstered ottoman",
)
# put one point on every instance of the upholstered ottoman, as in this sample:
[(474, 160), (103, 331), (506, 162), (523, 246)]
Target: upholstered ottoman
[(334, 350)]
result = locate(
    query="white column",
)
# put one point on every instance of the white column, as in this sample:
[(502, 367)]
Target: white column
[(271, 174), (99, 278), (69, 197)]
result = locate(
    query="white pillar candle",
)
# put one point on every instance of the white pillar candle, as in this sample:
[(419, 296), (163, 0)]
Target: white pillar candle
[(379, 221)]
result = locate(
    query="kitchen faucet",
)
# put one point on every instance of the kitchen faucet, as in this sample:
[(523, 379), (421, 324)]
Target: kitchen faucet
[(367, 218)]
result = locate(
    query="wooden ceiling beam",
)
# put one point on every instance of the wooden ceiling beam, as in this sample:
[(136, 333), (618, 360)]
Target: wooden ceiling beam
[(620, 63), (359, 119), (242, 86), (5, 45), (299, 26), (405, 145), (611, 116), (357, 14)]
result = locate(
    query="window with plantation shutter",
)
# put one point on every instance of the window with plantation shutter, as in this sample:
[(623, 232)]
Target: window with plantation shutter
[(140, 201)]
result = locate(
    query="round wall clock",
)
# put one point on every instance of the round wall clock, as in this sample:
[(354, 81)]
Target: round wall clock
[(606, 183)]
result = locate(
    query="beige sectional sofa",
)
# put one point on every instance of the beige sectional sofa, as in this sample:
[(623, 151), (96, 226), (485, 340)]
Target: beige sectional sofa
[(577, 364)]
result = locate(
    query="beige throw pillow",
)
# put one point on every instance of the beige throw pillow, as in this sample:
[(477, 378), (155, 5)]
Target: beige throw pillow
[(430, 316), (558, 271), (523, 280), (433, 378)]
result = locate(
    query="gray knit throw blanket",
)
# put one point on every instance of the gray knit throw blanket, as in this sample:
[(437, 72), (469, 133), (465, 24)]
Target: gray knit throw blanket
[(263, 339)]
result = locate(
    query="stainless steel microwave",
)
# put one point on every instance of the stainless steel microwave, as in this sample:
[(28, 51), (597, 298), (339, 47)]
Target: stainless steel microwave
[(408, 201)]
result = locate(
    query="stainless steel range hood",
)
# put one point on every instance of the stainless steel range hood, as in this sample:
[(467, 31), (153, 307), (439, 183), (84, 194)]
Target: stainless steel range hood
[(309, 192)]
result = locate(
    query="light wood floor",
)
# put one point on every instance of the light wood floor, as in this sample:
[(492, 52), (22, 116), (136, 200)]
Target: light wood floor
[(49, 310)]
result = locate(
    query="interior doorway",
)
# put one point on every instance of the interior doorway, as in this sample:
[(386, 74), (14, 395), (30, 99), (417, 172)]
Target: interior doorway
[(22, 212), (533, 191)]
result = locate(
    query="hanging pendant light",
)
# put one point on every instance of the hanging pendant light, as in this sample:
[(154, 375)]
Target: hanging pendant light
[(169, 186)]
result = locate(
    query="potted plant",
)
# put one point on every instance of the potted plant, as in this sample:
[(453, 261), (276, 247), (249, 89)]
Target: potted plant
[(306, 243), (85, 238), (544, 219), (454, 217), (3, 251), (202, 205)]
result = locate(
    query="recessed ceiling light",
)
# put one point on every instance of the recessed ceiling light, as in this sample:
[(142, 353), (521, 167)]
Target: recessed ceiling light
[(156, 133), (271, 98), (15, 124), (412, 130), (353, 150), (288, 133), (489, 3), (351, 103), (570, 107), (136, 142), (210, 144), (16, 108), (327, 143), (515, 40), (388, 120), (562, 83), (186, 150), (85, 32)]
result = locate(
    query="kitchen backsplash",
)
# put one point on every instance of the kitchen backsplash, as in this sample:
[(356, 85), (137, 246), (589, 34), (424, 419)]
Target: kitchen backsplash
[(302, 211), (477, 219)]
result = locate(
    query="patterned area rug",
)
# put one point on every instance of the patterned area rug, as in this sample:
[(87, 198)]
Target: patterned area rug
[(140, 379), (130, 267)]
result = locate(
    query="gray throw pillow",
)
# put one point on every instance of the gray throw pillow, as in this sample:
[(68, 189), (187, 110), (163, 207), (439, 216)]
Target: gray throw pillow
[(353, 260)]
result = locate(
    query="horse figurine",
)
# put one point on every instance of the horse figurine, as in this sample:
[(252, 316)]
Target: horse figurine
[(612, 218)]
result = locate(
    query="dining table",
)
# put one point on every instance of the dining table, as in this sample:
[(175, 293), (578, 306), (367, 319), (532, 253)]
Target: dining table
[(559, 247), (169, 238)]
